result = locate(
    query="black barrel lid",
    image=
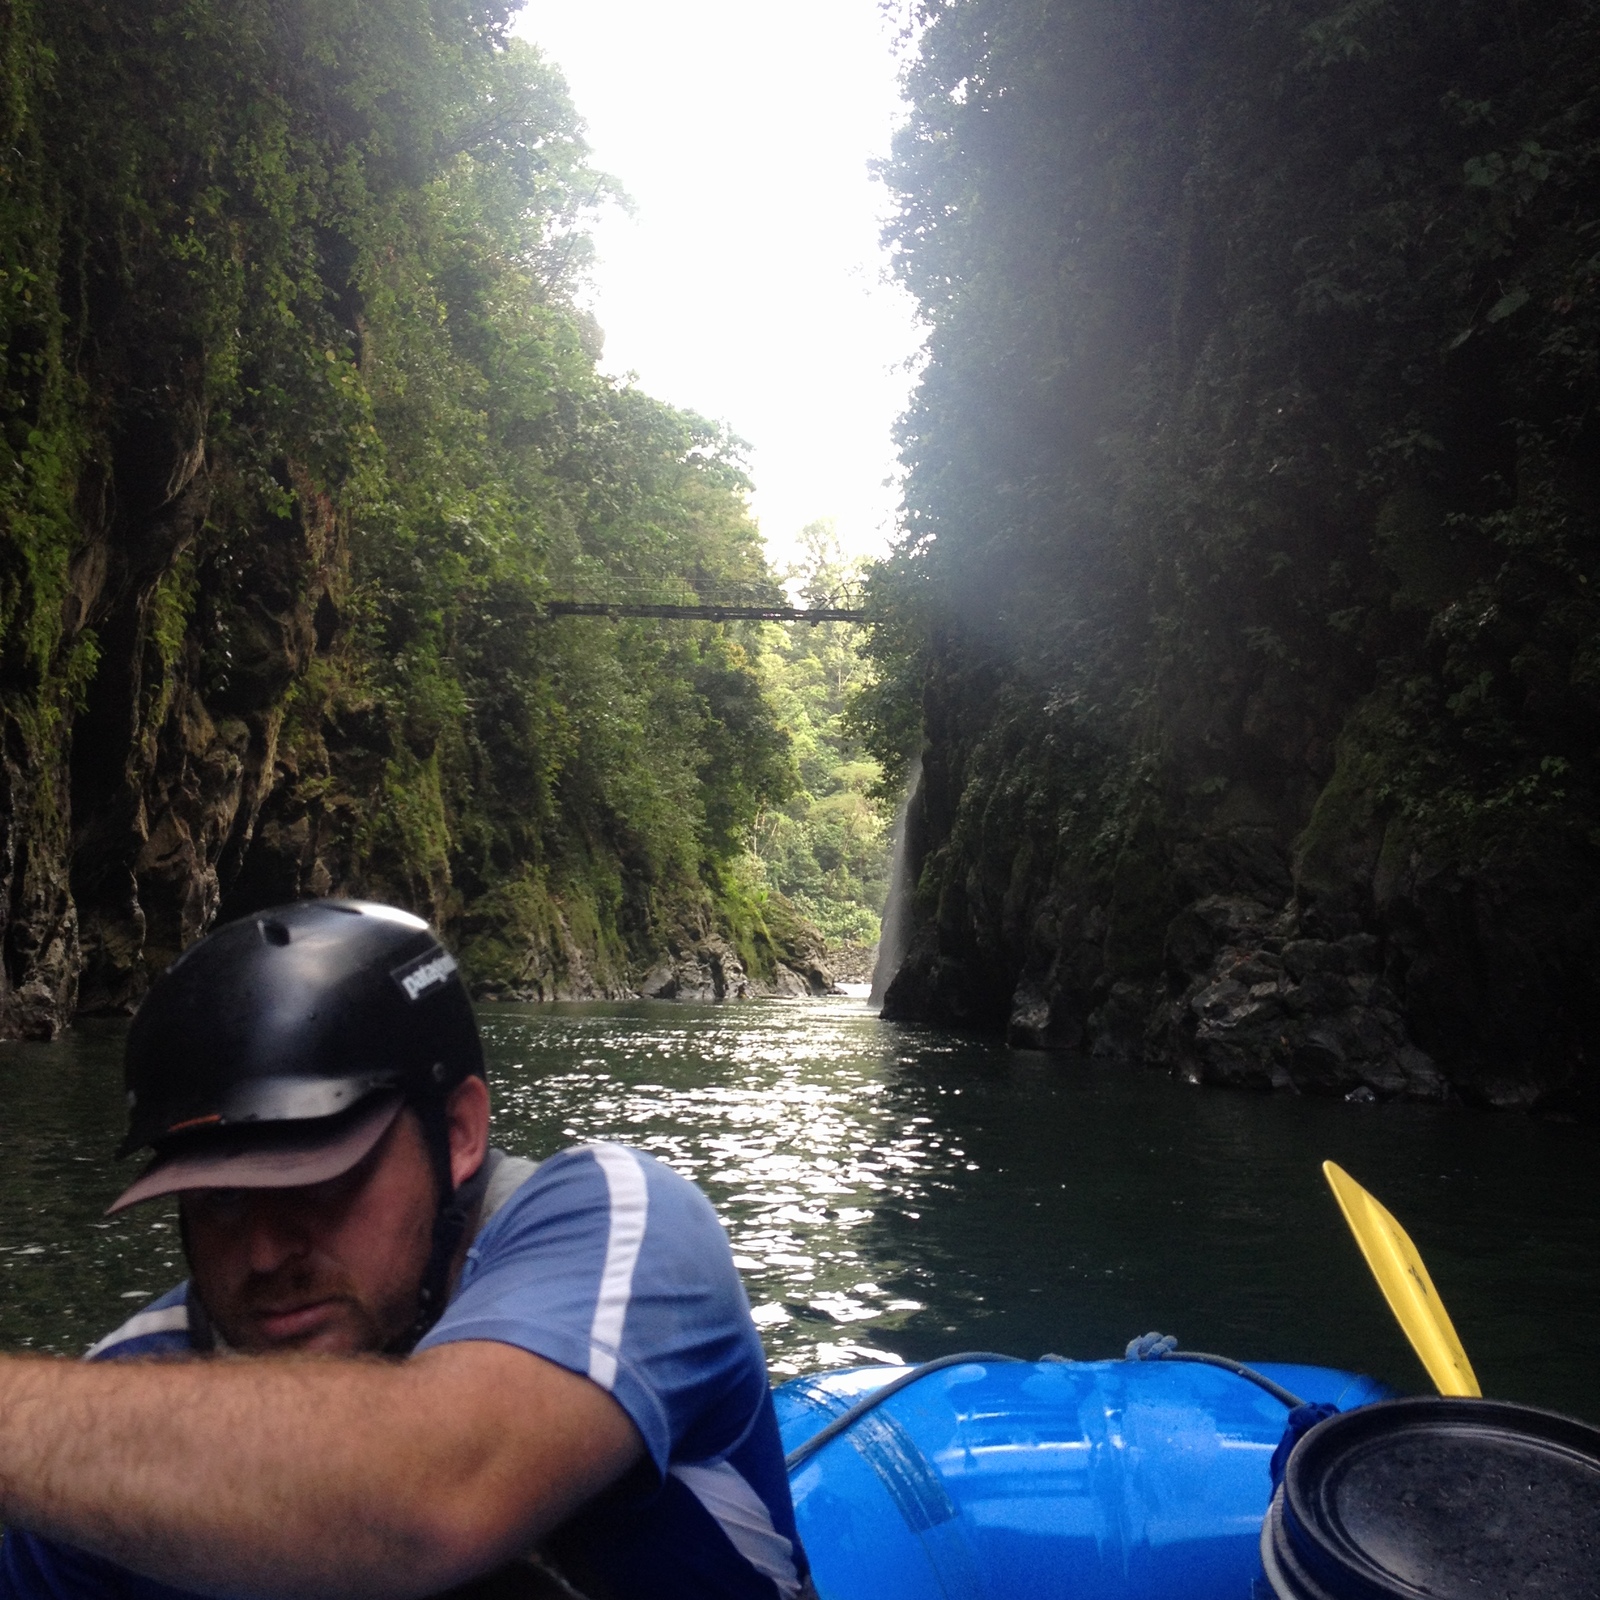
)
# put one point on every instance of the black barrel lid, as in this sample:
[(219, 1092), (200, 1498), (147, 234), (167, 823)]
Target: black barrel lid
[(1440, 1498)]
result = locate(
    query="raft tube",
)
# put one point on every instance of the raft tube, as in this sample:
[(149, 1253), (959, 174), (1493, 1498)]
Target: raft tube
[(990, 1480)]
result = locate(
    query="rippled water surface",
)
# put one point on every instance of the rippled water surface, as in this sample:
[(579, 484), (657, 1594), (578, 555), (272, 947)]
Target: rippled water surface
[(893, 1190)]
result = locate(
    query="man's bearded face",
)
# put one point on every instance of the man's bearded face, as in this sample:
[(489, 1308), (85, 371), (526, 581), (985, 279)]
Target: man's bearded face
[(333, 1267)]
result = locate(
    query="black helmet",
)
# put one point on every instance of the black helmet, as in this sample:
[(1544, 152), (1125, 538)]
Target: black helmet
[(276, 1052), (298, 1013)]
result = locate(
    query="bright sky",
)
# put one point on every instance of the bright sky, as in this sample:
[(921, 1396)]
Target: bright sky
[(748, 285)]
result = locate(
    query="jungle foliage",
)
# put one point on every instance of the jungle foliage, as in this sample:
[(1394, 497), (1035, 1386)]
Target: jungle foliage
[(827, 847), (312, 268), (1254, 476), (1264, 342)]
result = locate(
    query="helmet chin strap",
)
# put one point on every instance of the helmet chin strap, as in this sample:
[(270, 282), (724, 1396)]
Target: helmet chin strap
[(456, 1208)]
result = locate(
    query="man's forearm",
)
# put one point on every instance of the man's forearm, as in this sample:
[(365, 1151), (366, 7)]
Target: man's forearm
[(286, 1478)]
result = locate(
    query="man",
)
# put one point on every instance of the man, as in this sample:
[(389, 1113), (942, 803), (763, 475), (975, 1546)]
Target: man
[(404, 1362)]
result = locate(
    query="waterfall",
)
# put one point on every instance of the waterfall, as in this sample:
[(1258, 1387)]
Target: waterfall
[(896, 932)]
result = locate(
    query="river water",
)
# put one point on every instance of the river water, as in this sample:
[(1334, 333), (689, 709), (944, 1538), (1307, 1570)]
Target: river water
[(897, 1192)]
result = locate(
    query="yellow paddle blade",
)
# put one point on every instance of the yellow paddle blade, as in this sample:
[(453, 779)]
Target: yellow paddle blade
[(1405, 1284)]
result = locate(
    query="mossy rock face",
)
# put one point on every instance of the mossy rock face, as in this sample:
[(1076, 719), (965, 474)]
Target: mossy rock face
[(1143, 902), (523, 942), (1338, 851), (778, 949), (1385, 967)]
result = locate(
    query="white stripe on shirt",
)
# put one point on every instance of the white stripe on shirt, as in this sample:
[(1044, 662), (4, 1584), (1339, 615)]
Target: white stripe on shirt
[(630, 1203), (169, 1319), (742, 1514)]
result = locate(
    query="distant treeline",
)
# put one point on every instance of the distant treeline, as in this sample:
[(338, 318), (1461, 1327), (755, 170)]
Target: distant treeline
[(302, 422), (1253, 524), (827, 850)]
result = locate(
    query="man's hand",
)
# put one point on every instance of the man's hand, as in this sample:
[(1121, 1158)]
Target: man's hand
[(288, 1477)]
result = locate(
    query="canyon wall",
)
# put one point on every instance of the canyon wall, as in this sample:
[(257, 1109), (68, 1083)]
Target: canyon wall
[(1246, 610), (301, 422)]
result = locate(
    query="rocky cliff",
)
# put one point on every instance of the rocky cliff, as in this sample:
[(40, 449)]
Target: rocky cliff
[(1235, 937), (300, 423), (174, 794), (1248, 606)]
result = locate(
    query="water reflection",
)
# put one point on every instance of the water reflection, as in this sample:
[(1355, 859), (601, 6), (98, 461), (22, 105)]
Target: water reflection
[(894, 1191), (67, 1272), (784, 1114)]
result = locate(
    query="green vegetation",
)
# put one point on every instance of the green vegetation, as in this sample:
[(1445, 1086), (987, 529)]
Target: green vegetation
[(1256, 455), (302, 424), (827, 848), (1264, 353)]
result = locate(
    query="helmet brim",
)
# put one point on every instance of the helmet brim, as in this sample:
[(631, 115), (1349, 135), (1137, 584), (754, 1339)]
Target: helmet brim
[(265, 1155)]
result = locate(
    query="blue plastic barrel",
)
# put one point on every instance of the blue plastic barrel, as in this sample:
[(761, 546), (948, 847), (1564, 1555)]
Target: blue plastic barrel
[(1103, 1480)]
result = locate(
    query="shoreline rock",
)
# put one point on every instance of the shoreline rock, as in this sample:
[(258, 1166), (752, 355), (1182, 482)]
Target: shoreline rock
[(1229, 941)]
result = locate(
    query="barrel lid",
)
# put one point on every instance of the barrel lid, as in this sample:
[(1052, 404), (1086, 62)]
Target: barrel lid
[(1448, 1499)]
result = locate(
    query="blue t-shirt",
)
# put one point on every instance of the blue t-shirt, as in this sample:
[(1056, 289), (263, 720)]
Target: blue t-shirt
[(611, 1265)]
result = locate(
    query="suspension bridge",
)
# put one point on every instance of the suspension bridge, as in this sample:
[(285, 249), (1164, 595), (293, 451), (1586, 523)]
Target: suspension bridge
[(674, 598), (703, 612)]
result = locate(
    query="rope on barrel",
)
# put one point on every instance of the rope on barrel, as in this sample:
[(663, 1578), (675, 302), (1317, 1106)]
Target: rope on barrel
[(1164, 1347), (1147, 1347)]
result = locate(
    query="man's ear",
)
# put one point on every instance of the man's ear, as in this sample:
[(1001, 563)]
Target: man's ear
[(467, 1121)]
